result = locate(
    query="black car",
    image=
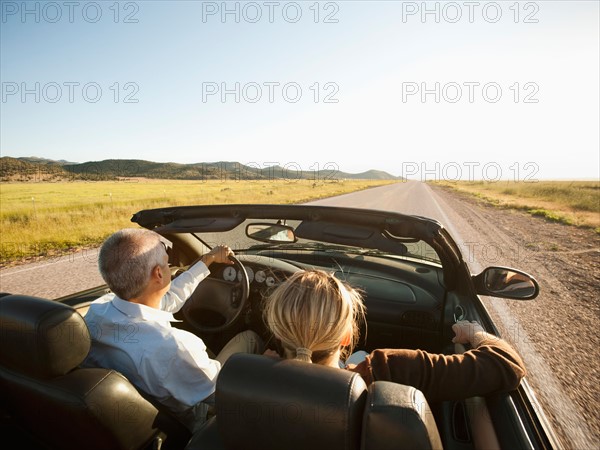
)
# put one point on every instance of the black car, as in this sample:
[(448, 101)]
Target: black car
[(415, 284)]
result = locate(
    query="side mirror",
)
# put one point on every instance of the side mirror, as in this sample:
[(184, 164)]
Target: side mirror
[(507, 283), (271, 232)]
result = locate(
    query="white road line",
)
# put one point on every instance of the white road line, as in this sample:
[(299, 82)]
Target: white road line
[(565, 410), (62, 259)]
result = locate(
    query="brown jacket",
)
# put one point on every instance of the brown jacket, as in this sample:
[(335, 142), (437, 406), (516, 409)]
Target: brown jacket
[(494, 366)]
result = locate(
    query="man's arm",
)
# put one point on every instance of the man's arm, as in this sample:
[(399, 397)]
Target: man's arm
[(184, 285)]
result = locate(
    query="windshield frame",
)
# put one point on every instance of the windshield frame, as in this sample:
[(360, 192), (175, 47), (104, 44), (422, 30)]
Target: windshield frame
[(250, 245)]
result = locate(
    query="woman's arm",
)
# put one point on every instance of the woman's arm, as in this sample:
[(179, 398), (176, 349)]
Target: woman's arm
[(493, 366)]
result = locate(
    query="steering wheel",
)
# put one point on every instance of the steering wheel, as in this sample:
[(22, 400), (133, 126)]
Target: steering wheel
[(213, 296)]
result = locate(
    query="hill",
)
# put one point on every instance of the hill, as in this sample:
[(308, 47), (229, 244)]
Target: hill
[(41, 169), (17, 169)]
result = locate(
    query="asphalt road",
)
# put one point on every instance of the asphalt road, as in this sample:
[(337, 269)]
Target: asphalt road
[(481, 240), (411, 197), (53, 277)]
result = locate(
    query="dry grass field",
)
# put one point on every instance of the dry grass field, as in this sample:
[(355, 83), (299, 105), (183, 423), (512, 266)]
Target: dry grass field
[(42, 219), (569, 202)]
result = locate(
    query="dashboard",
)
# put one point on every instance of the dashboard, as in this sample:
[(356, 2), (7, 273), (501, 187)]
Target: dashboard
[(261, 275), (263, 272), (404, 300)]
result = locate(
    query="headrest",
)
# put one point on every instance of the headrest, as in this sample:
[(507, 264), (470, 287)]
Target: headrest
[(41, 338), (398, 416), (269, 403)]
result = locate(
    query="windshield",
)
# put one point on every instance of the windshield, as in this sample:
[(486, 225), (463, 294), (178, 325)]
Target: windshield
[(241, 243)]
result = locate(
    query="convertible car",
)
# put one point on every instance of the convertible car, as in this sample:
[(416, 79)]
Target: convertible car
[(415, 284)]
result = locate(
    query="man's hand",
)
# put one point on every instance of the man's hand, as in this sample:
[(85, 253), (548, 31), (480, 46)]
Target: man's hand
[(469, 333), (219, 254), (269, 352)]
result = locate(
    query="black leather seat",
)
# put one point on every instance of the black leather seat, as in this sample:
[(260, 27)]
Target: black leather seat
[(267, 403), (398, 416), (61, 405)]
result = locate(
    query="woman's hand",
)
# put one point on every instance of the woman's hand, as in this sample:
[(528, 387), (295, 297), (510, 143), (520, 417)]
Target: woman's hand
[(469, 333)]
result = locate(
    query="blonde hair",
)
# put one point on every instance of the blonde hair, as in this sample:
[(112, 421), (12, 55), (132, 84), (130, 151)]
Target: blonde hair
[(311, 314)]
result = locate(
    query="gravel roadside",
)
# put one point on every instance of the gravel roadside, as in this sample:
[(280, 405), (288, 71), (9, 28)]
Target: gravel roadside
[(561, 326)]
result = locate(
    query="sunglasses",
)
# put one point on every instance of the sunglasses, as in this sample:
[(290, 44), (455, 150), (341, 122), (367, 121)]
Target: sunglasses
[(165, 247)]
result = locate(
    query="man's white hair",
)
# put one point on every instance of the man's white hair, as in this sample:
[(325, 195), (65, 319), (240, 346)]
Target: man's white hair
[(127, 258)]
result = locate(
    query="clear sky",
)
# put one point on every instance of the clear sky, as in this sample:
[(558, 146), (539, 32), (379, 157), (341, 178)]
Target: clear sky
[(425, 90)]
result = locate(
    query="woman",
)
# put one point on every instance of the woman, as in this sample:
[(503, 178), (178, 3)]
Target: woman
[(316, 318)]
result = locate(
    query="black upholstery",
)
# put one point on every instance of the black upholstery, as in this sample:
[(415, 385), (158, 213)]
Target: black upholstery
[(41, 345), (268, 403), (41, 338), (397, 413), (208, 438), (288, 404)]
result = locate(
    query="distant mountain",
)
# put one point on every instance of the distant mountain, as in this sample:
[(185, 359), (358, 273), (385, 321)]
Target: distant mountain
[(39, 169), (35, 159), (374, 175)]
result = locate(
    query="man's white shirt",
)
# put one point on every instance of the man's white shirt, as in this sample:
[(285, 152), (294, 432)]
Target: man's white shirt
[(168, 363)]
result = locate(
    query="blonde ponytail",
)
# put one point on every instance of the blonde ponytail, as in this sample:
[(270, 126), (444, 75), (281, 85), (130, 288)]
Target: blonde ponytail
[(303, 354), (312, 313)]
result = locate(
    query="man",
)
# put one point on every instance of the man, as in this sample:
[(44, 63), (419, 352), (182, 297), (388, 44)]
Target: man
[(131, 327)]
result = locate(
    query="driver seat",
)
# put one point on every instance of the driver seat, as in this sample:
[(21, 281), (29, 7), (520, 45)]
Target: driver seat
[(57, 403)]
